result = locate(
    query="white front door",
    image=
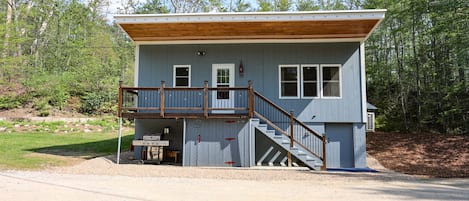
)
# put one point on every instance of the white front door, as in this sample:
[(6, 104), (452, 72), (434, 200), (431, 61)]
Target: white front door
[(223, 76)]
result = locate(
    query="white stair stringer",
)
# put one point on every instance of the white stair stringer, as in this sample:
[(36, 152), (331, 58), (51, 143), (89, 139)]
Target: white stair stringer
[(298, 152)]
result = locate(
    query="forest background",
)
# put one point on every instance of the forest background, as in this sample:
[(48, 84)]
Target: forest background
[(66, 55)]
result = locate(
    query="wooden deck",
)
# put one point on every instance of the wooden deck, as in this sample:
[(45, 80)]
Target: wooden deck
[(137, 115), (190, 102)]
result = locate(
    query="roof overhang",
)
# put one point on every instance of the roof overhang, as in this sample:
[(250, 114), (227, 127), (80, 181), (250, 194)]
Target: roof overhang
[(257, 27)]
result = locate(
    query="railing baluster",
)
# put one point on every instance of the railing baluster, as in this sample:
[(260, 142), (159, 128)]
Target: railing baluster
[(324, 158), (206, 99), (162, 97)]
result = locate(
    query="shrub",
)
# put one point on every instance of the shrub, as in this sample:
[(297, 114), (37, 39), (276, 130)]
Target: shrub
[(91, 102), (10, 102)]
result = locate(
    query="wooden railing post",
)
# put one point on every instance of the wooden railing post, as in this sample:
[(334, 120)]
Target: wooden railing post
[(251, 99), (206, 99), (324, 159), (292, 139), (162, 96), (120, 101)]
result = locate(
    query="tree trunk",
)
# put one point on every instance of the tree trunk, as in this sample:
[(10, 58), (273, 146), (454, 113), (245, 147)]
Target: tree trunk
[(9, 16)]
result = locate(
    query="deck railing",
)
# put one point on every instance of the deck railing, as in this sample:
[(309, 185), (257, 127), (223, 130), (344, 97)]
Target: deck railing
[(172, 102), (207, 102)]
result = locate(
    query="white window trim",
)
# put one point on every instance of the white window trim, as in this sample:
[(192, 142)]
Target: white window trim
[(370, 125), (189, 74), (322, 81), (317, 85), (280, 81)]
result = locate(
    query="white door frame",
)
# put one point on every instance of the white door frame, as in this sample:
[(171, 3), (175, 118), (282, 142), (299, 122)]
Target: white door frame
[(223, 103)]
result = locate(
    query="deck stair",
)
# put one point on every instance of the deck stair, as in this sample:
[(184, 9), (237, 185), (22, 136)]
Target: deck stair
[(283, 141)]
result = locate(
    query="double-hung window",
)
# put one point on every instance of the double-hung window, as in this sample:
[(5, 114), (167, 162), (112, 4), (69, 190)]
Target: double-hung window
[(331, 81), (309, 78), (182, 76), (289, 81), (310, 81)]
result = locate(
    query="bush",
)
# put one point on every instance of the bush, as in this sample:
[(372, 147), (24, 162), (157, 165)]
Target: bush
[(42, 106), (91, 102), (12, 102)]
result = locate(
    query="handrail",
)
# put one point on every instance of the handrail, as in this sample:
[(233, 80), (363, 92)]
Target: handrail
[(289, 121), (271, 103), (286, 113), (286, 134)]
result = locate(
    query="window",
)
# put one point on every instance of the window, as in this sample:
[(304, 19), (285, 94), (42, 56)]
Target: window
[(313, 81), (288, 81), (182, 76), (331, 86), (370, 124), (223, 80), (310, 86)]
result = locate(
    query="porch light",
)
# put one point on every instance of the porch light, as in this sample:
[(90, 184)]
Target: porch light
[(201, 53), (241, 67), (166, 130)]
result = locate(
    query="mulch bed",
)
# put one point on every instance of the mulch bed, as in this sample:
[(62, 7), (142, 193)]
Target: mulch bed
[(434, 155)]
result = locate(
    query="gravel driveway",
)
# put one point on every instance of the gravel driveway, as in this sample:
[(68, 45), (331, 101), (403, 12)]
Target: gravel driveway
[(101, 179)]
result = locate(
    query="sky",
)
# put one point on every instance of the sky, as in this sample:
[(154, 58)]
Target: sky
[(115, 4)]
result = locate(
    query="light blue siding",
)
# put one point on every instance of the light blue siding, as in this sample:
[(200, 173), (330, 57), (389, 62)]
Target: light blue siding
[(359, 140), (217, 142), (261, 63)]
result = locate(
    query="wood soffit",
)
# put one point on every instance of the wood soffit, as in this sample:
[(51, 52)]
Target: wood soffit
[(331, 29)]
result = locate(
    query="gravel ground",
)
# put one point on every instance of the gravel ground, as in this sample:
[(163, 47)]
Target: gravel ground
[(101, 179)]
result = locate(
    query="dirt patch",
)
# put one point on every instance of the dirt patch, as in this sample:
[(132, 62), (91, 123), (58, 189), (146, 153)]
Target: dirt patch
[(433, 155), (58, 160), (29, 113)]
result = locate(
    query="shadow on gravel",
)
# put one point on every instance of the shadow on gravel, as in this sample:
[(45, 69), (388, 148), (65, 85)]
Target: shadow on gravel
[(87, 150), (427, 190), (414, 187)]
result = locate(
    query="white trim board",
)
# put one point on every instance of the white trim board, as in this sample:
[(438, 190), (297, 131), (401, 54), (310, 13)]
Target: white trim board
[(363, 82), (246, 41), (136, 68)]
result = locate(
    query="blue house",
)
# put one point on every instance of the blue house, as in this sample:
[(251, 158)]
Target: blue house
[(248, 89)]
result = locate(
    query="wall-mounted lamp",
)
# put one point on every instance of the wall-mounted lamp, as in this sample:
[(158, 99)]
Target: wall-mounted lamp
[(241, 67), (201, 52), (166, 130)]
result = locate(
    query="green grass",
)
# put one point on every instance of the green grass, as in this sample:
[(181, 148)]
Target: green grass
[(17, 149)]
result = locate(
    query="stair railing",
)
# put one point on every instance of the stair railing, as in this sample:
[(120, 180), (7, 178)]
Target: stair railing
[(286, 124)]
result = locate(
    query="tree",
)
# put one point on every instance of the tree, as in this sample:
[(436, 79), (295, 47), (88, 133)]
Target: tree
[(306, 5), (241, 6), (152, 7), (265, 5), (283, 5)]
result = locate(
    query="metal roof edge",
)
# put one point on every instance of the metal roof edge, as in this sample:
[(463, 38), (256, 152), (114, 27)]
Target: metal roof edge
[(251, 16)]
